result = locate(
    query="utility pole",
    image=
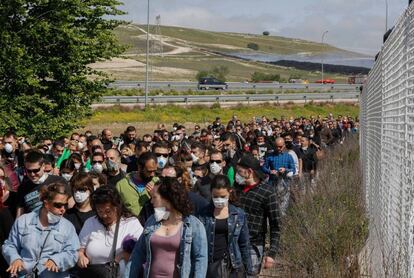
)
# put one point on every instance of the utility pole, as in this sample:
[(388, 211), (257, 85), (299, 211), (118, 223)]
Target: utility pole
[(323, 36), (147, 57), (386, 16)]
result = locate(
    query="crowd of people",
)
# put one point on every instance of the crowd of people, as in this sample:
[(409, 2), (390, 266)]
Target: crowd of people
[(174, 203)]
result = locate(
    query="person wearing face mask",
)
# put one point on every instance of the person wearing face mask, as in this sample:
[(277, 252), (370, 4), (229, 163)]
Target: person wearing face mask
[(227, 233), (101, 236), (77, 161), (67, 169), (113, 169), (259, 201), (28, 194), (231, 154), (97, 162), (133, 188), (160, 149), (178, 171), (174, 242), (82, 188), (42, 243), (198, 153), (307, 154)]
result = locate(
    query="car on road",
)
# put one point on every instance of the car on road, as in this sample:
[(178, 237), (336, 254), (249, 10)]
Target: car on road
[(326, 81), (210, 83)]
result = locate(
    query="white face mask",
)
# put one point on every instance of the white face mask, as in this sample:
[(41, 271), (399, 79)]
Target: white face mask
[(97, 168), (162, 161), (80, 146), (80, 196), (161, 213), (240, 180), (215, 168), (53, 218), (194, 158), (220, 202), (41, 180), (67, 177), (78, 165), (8, 148)]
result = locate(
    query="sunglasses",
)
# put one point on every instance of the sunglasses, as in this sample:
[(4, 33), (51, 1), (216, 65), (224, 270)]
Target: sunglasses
[(60, 205), (82, 189), (216, 161), (162, 154), (94, 162), (33, 171)]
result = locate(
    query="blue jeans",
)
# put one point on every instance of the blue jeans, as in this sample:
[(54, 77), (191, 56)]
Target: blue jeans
[(256, 253)]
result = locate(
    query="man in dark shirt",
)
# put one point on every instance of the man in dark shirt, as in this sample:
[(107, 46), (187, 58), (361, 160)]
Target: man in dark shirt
[(28, 194), (113, 170), (258, 199)]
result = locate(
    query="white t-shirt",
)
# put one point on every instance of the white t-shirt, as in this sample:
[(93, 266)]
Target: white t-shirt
[(97, 240), (296, 160)]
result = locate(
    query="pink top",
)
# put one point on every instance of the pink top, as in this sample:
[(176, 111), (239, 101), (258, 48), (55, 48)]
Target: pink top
[(165, 255)]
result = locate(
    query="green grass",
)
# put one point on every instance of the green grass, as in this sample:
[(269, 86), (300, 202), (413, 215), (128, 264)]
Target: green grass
[(203, 55), (202, 114), (325, 230)]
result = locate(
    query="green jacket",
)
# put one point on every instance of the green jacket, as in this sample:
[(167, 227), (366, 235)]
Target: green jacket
[(132, 199)]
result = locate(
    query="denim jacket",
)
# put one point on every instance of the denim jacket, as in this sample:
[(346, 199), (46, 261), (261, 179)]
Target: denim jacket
[(238, 236), (27, 238), (193, 250)]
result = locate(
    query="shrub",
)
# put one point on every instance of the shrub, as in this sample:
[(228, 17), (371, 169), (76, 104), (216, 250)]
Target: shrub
[(266, 33), (253, 46)]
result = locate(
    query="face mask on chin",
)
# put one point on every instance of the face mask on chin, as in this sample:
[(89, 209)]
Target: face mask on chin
[(53, 218), (42, 179), (161, 213)]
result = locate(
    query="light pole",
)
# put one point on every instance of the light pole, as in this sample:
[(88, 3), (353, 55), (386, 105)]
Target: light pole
[(323, 36), (147, 57), (386, 16)]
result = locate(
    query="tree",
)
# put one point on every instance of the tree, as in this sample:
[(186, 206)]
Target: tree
[(218, 72), (253, 46), (266, 33), (202, 74), (46, 85)]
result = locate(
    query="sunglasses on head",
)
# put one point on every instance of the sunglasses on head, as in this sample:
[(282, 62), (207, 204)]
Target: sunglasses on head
[(162, 154), (60, 205), (33, 171)]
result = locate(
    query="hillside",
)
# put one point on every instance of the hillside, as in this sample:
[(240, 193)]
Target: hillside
[(186, 51)]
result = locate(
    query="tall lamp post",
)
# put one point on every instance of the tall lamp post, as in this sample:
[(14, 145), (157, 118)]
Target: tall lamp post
[(147, 57), (386, 16), (323, 37)]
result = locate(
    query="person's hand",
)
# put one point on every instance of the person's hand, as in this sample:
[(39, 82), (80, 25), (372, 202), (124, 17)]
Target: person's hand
[(15, 267), (268, 262), (274, 172), (51, 266), (282, 170), (83, 260), (149, 187)]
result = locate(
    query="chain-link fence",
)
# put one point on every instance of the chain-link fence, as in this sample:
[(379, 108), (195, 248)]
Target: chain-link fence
[(387, 153)]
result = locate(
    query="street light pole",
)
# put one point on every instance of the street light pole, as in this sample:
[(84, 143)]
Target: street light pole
[(323, 36), (147, 57), (386, 16)]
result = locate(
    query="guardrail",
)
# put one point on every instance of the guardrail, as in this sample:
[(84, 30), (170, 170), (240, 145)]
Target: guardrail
[(231, 98), (179, 86)]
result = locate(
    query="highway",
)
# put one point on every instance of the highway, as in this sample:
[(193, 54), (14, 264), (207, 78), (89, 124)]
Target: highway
[(245, 98), (233, 86)]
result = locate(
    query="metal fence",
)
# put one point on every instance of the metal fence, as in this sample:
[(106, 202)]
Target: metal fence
[(387, 153)]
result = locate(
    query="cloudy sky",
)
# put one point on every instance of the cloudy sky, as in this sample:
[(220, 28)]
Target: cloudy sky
[(356, 25)]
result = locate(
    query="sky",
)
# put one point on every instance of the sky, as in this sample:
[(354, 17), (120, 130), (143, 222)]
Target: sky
[(356, 25)]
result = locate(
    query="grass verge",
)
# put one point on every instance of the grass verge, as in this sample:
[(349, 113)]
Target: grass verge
[(324, 231), (202, 114)]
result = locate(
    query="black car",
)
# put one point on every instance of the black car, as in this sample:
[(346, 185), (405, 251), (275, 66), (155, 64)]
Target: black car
[(210, 83)]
